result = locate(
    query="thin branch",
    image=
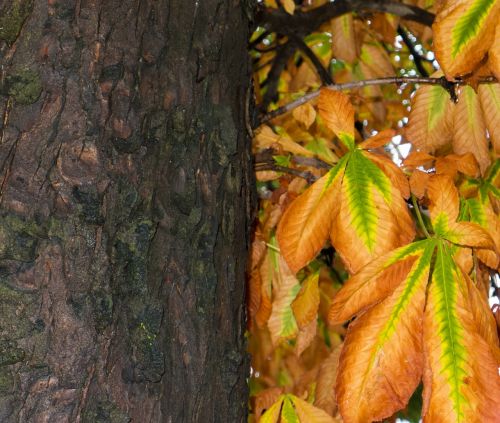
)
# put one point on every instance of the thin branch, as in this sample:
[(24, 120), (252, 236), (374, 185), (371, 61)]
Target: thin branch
[(259, 39), (311, 161), (419, 216), (283, 53), (447, 85), (417, 58), (323, 73), (308, 176), (302, 23)]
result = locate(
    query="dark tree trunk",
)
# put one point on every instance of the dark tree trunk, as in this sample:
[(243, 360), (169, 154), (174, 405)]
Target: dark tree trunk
[(124, 210)]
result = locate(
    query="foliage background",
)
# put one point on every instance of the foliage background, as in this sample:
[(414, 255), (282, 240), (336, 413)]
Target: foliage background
[(421, 92)]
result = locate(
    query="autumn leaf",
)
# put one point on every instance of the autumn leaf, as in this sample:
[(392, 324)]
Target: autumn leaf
[(469, 129), (489, 97), (282, 324), (289, 6), (373, 216), (345, 45), (462, 382), (381, 362), (373, 363), (463, 33), (305, 114), (360, 207), (374, 56), (305, 305), (494, 54), (305, 225), (429, 125), (336, 110), (326, 382), (295, 410)]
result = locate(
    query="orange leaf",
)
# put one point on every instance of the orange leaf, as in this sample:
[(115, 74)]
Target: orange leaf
[(344, 41), (443, 196), (254, 294), (305, 306), (418, 183), (469, 129), (309, 413), (377, 60), (418, 158), (489, 96), (304, 227), (325, 387), (463, 33), (336, 110), (305, 114), (358, 238), (483, 317), (429, 122), (461, 380), (394, 173), (494, 54), (469, 234), (378, 140), (281, 323), (306, 336), (381, 362), (372, 283), (264, 400)]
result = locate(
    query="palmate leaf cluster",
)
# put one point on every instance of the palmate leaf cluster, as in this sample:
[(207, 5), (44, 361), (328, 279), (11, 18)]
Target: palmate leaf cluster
[(377, 242)]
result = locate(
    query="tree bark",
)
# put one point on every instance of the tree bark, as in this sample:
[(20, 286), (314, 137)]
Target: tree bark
[(125, 178)]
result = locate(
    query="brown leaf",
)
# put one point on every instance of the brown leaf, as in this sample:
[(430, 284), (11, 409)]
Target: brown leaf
[(489, 97), (418, 183), (378, 140), (345, 45), (305, 306), (459, 52), (325, 388), (336, 110), (305, 114), (429, 122), (469, 129), (305, 225)]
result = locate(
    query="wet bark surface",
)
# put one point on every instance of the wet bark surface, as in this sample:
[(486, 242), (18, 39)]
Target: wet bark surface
[(124, 210)]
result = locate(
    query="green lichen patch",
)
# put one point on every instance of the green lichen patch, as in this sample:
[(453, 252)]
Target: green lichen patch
[(25, 86), (104, 412), (18, 239), (6, 381), (12, 18), (10, 354)]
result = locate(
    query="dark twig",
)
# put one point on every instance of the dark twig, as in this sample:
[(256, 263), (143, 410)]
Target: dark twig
[(447, 85), (323, 73), (311, 161), (259, 39), (417, 58), (303, 23), (308, 176), (283, 53)]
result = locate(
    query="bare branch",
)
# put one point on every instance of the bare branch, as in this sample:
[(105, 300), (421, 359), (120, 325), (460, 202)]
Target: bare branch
[(417, 57), (302, 23), (447, 85), (308, 176), (323, 73)]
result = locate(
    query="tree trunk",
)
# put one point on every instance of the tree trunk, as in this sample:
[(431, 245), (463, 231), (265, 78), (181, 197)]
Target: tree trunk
[(124, 210)]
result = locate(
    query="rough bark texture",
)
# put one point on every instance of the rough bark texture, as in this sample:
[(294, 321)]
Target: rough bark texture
[(124, 210)]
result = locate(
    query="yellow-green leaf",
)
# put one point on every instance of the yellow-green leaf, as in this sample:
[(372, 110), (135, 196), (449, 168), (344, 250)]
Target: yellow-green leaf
[(463, 33)]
